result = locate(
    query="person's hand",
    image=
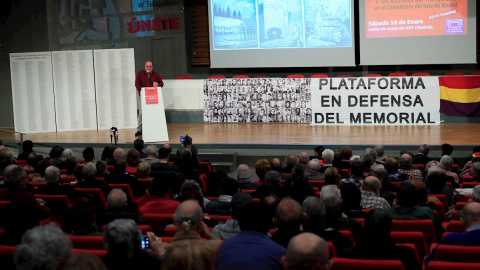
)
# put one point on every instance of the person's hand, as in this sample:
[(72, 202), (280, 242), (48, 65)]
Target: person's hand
[(157, 247), (206, 231), (155, 84), (40, 201)]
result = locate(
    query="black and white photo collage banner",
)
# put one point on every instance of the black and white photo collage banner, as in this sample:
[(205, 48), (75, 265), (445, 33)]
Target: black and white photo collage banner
[(257, 100)]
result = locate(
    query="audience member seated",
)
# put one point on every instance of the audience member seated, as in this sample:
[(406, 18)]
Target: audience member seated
[(288, 221), (330, 195), (250, 248), (188, 166), (32, 160), (163, 169), (70, 164), (392, 166), (143, 170), (376, 163), (406, 166), (88, 155), (347, 154), (475, 198), (447, 163), (436, 182), (118, 208), (123, 243), (303, 159), (118, 154), (231, 227), (227, 188), (39, 175), (328, 157), (43, 247), (290, 161), (422, 155), (27, 148), (6, 158), (243, 177), (356, 173), (315, 214), (82, 260), (318, 151), (471, 225), (190, 190), (188, 144), (54, 187), (377, 243), (120, 177), (138, 145), (56, 157), (102, 169), (332, 176), (369, 163), (15, 186), (81, 219), (185, 255), (276, 165), (473, 171), (298, 187), (351, 198), (307, 251), (314, 168), (162, 200), (107, 154), (90, 181), (371, 194), (133, 159), (380, 150), (262, 166), (151, 152), (406, 206), (271, 185)]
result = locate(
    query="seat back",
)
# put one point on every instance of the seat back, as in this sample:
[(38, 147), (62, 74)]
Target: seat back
[(183, 77), (469, 184), (217, 77), (126, 188), (240, 77), (457, 253), (373, 75), (97, 194), (455, 226), (420, 74), (331, 248), (295, 76), (359, 264), (159, 221), (439, 265), (345, 76), (460, 205), (455, 74), (59, 205), (467, 178), (87, 242), (440, 210), (442, 198), (397, 74), (100, 253), (319, 76), (147, 182), (424, 225), (416, 238)]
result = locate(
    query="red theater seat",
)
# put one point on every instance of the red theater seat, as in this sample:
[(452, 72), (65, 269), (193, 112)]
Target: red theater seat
[(296, 76), (183, 77), (373, 75), (421, 74), (397, 74), (100, 253), (345, 76), (87, 242), (163, 77), (439, 265), (159, 221), (217, 77), (455, 74), (240, 77), (416, 238), (319, 76), (476, 73), (359, 264), (457, 253), (425, 226)]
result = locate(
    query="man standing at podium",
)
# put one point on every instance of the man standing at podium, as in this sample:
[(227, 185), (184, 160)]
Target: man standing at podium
[(145, 78)]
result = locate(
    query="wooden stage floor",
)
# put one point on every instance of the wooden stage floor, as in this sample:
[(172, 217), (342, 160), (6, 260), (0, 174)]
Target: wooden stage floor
[(458, 134)]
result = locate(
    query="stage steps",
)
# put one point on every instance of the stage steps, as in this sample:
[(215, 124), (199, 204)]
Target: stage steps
[(223, 161)]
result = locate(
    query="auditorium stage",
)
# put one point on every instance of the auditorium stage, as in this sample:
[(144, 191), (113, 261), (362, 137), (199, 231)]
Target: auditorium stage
[(281, 136)]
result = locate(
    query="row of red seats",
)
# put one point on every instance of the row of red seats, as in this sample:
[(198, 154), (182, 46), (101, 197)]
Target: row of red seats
[(393, 74)]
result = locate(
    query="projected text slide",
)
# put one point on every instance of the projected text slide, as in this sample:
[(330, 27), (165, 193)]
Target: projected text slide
[(270, 24), (405, 18)]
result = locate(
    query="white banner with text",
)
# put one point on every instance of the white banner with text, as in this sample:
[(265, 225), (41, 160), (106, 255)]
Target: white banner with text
[(376, 101)]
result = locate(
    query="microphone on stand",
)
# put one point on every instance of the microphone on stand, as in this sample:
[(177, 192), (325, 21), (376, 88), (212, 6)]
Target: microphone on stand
[(114, 135)]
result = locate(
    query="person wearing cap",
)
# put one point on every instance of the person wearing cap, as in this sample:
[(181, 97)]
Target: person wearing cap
[(231, 227)]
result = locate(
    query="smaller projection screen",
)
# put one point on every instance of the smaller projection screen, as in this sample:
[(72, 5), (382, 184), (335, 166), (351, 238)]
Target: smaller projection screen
[(281, 33), (397, 32)]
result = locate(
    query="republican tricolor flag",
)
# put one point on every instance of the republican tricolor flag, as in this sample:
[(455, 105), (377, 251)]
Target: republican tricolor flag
[(460, 95)]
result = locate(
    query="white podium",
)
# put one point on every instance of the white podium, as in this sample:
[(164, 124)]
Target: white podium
[(154, 124)]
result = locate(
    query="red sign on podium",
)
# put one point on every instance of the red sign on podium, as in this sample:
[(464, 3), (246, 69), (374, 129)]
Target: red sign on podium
[(151, 95)]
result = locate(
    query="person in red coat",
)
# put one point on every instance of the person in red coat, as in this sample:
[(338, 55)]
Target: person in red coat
[(145, 78)]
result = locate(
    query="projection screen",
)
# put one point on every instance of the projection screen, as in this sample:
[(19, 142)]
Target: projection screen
[(397, 32), (281, 33)]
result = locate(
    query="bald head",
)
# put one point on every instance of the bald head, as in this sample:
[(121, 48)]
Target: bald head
[(303, 158), (276, 164), (118, 154), (471, 215), (372, 184), (406, 160), (188, 216), (307, 251), (289, 211)]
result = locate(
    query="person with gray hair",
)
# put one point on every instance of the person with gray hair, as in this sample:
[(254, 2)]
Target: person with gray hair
[(243, 177), (356, 171), (123, 242), (371, 194), (67, 153), (332, 198), (406, 166), (476, 194), (422, 155), (151, 152), (54, 187), (271, 186), (437, 181), (307, 251), (380, 150), (447, 162), (314, 167), (303, 159), (42, 248), (118, 154), (89, 180)]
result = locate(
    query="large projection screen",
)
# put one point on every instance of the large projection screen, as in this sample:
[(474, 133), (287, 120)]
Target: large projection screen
[(417, 32), (281, 33)]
